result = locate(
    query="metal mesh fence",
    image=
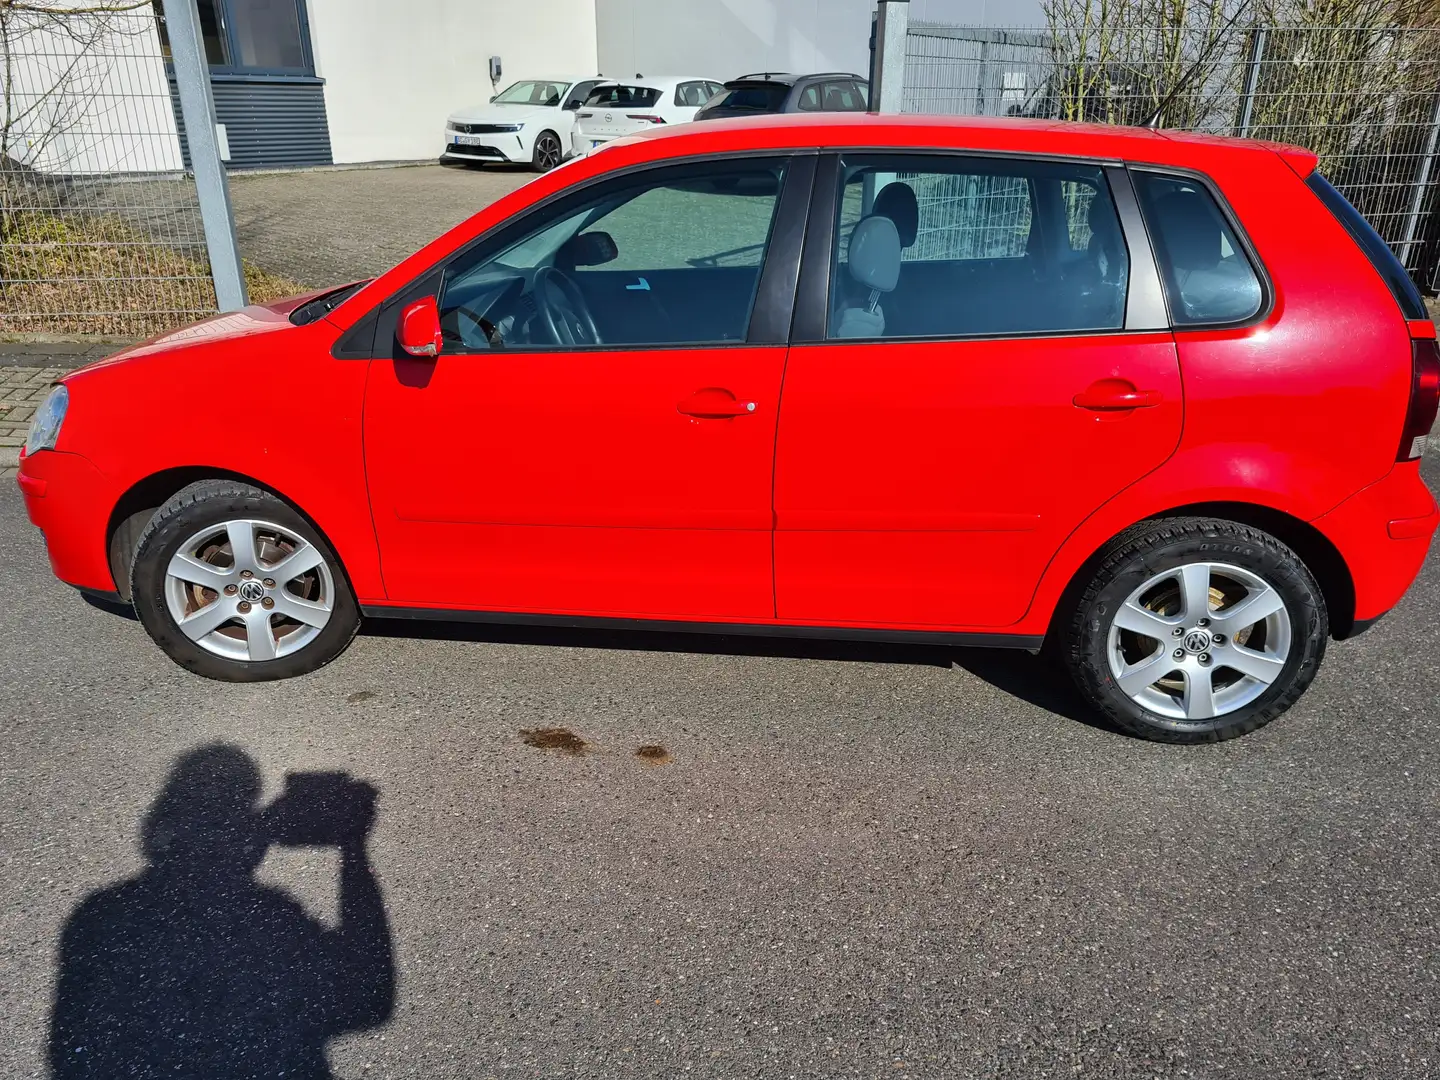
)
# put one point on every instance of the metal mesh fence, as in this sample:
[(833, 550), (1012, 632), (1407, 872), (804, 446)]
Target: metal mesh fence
[(1366, 99), (100, 229)]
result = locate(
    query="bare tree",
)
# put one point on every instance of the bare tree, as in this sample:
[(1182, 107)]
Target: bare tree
[(1118, 61), (55, 58)]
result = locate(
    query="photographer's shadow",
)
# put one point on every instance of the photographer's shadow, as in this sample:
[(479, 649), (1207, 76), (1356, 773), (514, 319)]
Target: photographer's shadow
[(194, 968)]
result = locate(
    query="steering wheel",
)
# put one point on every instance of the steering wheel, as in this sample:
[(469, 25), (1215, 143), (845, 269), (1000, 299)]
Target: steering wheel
[(562, 308), (485, 329)]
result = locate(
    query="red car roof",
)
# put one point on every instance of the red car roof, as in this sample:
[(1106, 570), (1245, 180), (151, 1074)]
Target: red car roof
[(1012, 135)]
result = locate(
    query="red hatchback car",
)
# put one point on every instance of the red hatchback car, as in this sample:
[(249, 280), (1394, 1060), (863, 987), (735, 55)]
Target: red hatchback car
[(1153, 400)]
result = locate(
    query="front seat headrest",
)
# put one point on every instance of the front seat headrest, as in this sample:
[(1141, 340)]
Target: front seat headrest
[(874, 256), (897, 202)]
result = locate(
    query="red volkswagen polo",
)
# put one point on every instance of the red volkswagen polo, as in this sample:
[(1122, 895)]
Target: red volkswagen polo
[(1154, 400)]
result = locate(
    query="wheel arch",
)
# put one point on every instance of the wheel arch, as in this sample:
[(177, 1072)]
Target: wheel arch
[(1313, 547), (134, 509)]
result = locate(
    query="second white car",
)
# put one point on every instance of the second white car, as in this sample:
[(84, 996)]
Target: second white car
[(616, 109), (529, 123)]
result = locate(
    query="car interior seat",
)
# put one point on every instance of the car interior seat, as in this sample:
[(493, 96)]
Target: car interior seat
[(1211, 284), (1103, 275), (873, 262)]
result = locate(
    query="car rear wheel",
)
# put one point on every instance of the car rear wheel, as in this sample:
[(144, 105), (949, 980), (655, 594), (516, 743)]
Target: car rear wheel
[(235, 585), (1196, 630), (548, 153)]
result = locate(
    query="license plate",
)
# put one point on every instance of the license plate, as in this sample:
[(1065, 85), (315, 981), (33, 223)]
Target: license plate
[(466, 140)]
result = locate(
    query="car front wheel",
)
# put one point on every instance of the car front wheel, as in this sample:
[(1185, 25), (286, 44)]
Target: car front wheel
[(1196, 630), (235, 585)]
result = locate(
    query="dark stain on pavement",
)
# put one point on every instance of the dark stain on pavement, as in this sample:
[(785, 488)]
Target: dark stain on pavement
[(555, 738), (359, 696), (654, 755)]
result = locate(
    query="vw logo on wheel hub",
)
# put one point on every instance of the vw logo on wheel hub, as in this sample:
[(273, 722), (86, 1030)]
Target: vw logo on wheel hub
[(252, 591), (1197, 641)]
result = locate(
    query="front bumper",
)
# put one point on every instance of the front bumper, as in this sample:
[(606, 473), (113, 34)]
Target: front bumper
[(69, 500), (1383, 533), (502, 147)]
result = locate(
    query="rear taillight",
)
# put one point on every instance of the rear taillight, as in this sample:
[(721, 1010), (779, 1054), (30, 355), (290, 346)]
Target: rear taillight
[(647, 117), (1424, 398)]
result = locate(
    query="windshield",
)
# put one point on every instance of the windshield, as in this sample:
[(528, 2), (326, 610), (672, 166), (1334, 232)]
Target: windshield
[(755, 97), (532, 93)]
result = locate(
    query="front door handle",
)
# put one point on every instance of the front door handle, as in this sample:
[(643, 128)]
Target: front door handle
[(713, 403), (1109, 395)]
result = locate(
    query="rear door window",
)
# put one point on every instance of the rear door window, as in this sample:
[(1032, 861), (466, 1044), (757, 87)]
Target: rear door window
[(1209, 279), (979, 247), (691, 95), (833, 95)]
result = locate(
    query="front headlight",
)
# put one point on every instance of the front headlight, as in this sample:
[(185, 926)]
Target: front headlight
[(45, 427)]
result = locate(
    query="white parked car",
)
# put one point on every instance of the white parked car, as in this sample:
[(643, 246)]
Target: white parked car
[(616, 109), (529, 122)]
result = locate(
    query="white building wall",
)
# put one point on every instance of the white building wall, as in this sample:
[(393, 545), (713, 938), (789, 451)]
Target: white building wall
[(393, 71), (726, 38), (91, 100)]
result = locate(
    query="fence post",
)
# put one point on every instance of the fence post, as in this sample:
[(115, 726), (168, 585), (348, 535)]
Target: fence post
[(1252, 80), (887, 91), (197, 108), (1422, 181)]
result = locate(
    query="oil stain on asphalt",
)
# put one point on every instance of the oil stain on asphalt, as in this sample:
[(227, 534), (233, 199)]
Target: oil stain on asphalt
[(555, 738), (654, 755)]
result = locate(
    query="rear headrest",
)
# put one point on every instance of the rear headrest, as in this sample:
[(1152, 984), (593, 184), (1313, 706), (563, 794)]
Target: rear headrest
[(1189, 231), (874, 257), (1104, 231), (897, 202)]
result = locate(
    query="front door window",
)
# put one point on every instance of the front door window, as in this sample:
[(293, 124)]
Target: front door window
[(670, 258)]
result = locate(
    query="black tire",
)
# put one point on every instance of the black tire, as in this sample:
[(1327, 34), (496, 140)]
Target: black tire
[(212, 503), (548, 152), (1149, 549)]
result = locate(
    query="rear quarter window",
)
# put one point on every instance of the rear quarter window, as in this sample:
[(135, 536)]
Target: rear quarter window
[(1209, 279)]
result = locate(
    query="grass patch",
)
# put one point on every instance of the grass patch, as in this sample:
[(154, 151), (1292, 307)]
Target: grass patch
[(79, 273)]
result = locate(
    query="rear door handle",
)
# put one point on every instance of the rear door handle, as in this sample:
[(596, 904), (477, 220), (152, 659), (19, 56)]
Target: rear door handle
[(715, 404), (1109, 395)]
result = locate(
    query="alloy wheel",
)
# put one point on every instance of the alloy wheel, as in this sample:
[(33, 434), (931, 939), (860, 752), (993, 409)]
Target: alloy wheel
[(547, 152), (1199, 641), (249, 590)]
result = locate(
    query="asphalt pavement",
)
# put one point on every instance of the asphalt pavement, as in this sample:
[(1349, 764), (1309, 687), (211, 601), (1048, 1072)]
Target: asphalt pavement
[(827, 861)]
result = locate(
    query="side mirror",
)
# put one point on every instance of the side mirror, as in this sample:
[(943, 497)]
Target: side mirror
[(419, 330)]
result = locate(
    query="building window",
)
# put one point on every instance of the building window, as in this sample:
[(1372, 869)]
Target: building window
[(261, 36)]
